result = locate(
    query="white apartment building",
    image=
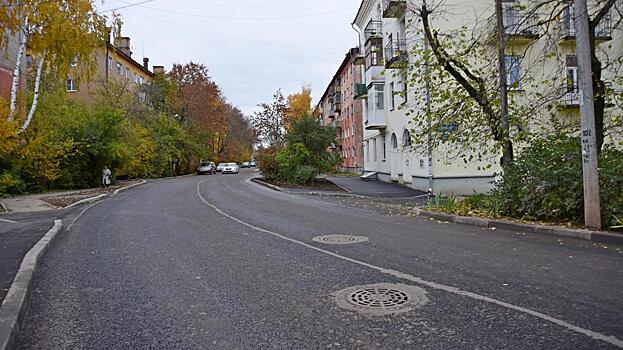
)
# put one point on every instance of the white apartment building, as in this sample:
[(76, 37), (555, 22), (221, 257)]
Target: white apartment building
[(387, 38)]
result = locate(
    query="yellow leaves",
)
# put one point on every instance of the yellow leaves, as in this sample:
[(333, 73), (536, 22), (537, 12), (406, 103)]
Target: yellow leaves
[(299, 105)]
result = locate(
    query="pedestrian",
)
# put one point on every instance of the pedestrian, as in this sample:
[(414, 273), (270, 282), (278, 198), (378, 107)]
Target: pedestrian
[(106, 174)]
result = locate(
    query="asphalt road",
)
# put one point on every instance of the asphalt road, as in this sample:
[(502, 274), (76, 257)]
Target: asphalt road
[(217, 262)]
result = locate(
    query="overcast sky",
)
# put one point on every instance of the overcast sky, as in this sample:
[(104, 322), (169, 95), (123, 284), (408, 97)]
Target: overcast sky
[(251, 47)]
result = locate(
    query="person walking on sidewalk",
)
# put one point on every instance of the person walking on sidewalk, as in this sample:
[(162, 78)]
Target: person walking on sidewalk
[(106, 175)]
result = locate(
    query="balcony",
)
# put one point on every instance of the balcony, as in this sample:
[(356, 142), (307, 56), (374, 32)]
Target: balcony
[(374, 74), (335, 103), (396, 54), (361, 91), (376, 120), (571, 95), (394, 8), (360, 59), (374, 29), (520, 26), (603, 31)]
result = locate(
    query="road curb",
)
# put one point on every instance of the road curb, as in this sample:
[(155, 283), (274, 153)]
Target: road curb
[(595, 236), (16, 303), (313, 193), (123, 189)]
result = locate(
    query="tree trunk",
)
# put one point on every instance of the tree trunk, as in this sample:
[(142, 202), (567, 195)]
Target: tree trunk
[(507, 146), (35, 98), (17, 74)]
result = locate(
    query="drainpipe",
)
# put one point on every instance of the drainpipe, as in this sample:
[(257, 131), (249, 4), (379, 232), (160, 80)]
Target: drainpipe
[(362, 73)]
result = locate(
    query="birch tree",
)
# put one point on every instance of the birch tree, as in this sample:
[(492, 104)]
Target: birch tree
[(57, 33)]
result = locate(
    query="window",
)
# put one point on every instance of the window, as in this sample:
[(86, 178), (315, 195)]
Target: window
[(379, 96), (71, 85), (368, 150), (374, 52), (394, 141), (572, 73), (392, 92), (405, 86), (384, 148), (74, 62), (141, 80), (109, 63), (374, 150), (406, 138), (119, 68), (513, 72)]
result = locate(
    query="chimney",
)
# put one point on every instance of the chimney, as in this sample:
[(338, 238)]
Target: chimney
[(146, 63), (108, 31), (123, 44), (158, 69)]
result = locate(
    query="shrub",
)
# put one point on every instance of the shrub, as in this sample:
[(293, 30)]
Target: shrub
[(545, 183), (305, 174), (11, 184)]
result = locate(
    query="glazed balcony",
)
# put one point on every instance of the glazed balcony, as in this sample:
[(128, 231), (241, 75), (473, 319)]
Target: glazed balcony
[(396, 54), (394, 8), (571, 95)]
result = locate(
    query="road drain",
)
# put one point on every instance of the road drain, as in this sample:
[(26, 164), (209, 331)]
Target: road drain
[(340, 239), (381, 299)]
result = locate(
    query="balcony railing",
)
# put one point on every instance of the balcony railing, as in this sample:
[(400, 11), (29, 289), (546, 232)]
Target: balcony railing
[(335, 103), (603, 31), (519, 24), (374, 29), (396, 53), (394, 8), (571, 96), (361, 91)]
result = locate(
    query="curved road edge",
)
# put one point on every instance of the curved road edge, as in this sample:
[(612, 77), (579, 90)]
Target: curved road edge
[(16, 302)]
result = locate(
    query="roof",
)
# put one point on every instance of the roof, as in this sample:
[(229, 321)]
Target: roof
[(350, 55), (130, 59)]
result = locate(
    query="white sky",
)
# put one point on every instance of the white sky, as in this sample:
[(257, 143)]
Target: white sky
[(251, 47)]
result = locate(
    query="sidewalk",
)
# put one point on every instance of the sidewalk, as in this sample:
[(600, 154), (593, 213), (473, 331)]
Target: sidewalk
[(375, 189), (55, 200)]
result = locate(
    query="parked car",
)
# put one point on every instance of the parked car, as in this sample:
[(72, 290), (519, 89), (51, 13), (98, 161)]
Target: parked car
[(206, 168), (244, 165), (220, 167), (231, 168), (252, 164)]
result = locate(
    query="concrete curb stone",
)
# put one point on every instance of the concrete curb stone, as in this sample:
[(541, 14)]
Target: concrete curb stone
[(16, 303), (313, 193)]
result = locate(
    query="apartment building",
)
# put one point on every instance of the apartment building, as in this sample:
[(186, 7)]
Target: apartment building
[(388, 33), (340, 108), (114, 63)]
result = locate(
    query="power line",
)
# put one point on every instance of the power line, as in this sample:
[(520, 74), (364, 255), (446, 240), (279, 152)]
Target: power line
[(276, 7), (236, 18), (126, 6), (233, 37)]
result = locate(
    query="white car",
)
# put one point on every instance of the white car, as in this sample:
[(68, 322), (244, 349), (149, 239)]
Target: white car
[(231, 168), (220, 167)]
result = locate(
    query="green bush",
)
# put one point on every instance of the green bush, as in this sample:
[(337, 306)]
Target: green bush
[(11, 184), (545, 183), (305, 174)]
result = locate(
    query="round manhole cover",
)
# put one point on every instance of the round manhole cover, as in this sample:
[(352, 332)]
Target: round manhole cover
[(340, 239), (382, 298)]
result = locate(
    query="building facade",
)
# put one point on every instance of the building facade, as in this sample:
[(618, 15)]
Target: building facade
[(389, 31), (339, 108), (7, 69), (114, 64)]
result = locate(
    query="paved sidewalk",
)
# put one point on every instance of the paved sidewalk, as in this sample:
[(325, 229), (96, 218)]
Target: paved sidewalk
[(376, 189), (54, 200)]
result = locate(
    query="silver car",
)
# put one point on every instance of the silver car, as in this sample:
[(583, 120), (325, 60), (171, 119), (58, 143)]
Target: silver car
[(220, 167), (206, 168), (231, 168)]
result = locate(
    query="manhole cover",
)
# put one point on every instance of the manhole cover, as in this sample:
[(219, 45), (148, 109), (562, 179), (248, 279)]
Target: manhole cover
[(340, 239), (381, 299)]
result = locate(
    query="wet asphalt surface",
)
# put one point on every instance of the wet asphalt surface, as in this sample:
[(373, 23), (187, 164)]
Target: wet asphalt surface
[(156, 268)]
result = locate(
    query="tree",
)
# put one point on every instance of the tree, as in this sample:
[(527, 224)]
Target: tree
[(269, 122), (299, 105), (44, 29)]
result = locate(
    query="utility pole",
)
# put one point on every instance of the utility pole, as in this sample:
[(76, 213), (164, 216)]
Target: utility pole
[(592, 210), (507, 155)]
